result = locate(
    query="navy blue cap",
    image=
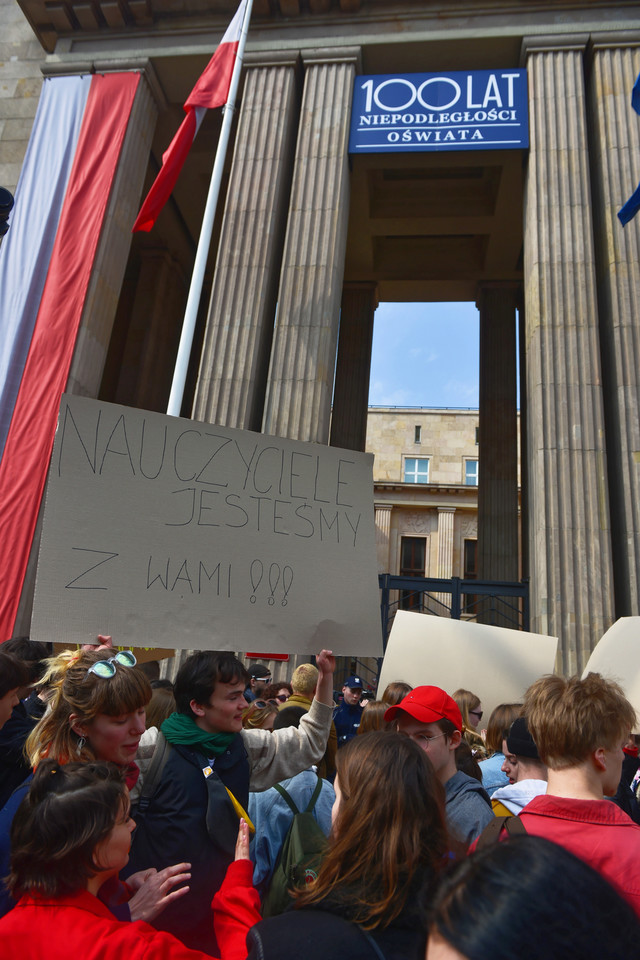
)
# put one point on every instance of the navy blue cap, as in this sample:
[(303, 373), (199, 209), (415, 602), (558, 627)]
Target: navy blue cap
[(519, 740), (354, 682)]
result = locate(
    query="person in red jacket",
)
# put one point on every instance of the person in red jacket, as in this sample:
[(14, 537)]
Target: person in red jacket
[(580, 727), (72, 834), (96, 713)]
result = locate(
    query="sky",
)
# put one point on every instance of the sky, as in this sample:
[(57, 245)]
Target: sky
[(426, 355)]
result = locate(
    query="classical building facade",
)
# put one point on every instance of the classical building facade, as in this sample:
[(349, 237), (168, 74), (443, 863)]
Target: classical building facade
[(310, 238), (426, 474), (425, 478)]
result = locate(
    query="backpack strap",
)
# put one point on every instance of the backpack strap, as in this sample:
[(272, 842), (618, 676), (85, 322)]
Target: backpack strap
[(283, 793), (372, 943), (514, 826), (314, 797), (154, 773), (491, 833), (287, 797)]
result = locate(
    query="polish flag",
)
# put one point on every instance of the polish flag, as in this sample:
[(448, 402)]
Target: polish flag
[(211, 90)]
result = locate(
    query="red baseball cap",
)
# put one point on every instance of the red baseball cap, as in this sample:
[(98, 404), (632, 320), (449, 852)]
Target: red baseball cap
[(428, 704)]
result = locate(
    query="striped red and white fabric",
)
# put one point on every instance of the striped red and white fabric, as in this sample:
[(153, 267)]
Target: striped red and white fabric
[(46, 260), (211, 90)]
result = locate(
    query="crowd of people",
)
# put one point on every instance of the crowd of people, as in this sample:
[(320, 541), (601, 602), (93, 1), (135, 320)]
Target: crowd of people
[(152, 819)]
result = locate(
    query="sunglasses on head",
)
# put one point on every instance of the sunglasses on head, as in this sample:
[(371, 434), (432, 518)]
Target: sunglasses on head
[(261, 704), (107, 668)]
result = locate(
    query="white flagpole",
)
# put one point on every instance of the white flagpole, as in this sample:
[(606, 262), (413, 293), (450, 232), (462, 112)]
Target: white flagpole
[(197, 277)]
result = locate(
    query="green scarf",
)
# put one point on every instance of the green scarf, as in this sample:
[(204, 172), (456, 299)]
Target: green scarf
[(183, 730)]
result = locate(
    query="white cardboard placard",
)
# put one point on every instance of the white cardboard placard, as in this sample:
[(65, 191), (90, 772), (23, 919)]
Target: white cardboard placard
[(172, 533), (495, 663), (617, 657)]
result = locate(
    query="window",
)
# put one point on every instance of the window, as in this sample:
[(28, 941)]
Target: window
[(412, 563), (417, 434), (477, 436), (470, 560), (470, 601), (471, 473), (416, 470)]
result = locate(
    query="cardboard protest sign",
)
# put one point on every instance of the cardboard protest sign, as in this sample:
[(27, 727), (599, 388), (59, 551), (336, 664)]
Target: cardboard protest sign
[(617, 657), (495, 663), (171, 533)]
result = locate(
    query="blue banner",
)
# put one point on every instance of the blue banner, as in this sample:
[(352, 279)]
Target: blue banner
[(465, 110)]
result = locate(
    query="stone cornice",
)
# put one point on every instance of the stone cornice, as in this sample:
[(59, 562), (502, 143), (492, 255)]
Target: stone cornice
[(111, 21)]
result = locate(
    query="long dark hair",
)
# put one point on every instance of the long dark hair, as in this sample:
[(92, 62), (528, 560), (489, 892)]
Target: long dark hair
[(68, 810), (552, 904), (390, 828)]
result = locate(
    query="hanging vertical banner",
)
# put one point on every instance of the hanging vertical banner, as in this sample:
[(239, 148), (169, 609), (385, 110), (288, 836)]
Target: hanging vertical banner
[(418, 112), (167, 532), (26, 250), (46, 262)]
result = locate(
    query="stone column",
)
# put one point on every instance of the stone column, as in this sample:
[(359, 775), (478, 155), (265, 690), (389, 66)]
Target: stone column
[(383, 531), (298, 400), (445, 554), (351, 392), (237, 341), (498, 466), (445, 542), (570, 545), (615, 163), (115, 241)]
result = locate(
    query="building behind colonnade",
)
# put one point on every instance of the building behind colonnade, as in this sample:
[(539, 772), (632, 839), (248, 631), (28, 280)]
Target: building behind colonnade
[(310, 239)]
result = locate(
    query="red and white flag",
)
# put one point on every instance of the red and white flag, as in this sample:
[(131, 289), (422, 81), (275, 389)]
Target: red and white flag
[(211, 90)]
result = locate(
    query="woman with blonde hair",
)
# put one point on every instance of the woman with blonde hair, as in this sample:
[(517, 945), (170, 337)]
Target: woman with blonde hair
[(96, 713), (97, 710), (471, 709), (259, 715)]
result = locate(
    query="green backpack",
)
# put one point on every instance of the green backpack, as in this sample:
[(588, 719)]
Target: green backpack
[(300, 857)]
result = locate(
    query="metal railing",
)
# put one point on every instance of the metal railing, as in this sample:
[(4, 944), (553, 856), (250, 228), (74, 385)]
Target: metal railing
[(496, 602)]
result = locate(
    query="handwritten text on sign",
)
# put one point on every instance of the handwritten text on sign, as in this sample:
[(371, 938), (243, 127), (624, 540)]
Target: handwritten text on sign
[(186, 534)]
